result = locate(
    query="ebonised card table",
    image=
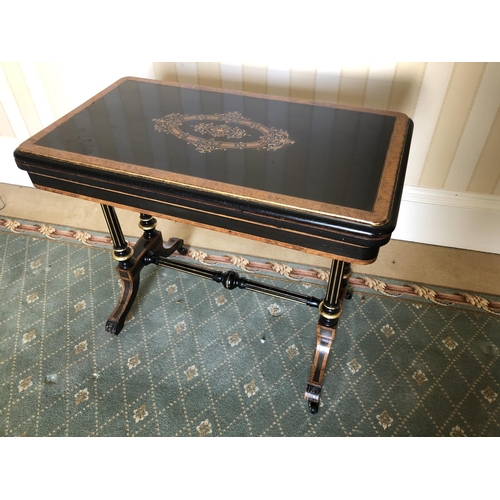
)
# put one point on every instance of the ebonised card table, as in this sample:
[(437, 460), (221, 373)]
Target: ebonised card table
[(314, 177)]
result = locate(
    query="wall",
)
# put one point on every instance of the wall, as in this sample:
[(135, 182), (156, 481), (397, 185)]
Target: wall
[(452, 187)]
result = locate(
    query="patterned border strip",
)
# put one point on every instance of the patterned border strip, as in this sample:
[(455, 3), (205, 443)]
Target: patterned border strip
[(441, 298), (274, 268), (53, 233)]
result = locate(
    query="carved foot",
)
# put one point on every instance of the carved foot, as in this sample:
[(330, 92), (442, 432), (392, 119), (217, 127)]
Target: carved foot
[(312, 395), (113, 327), (130, 286)]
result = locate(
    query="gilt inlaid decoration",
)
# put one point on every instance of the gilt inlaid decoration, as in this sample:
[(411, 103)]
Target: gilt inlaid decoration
[(218, 135)]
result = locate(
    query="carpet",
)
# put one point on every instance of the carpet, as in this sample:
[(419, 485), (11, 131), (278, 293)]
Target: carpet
[(194, 359)]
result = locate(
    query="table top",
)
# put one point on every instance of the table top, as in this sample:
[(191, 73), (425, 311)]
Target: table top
[(332, 162)]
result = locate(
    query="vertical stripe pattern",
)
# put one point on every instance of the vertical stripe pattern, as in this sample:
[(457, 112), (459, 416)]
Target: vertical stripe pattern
[(455, 110)]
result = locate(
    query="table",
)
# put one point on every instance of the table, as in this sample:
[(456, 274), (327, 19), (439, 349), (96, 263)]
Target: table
[(314, 177)]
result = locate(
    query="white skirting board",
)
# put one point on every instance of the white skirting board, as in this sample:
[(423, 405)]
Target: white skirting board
[(431, 216), (459, 220)]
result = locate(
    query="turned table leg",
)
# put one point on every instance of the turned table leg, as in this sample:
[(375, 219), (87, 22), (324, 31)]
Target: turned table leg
[(330, 310)]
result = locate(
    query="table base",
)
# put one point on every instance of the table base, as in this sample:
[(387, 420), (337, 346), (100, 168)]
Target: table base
[(151, 249)]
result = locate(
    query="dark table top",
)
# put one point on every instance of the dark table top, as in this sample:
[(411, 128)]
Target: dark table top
[(328, 161)]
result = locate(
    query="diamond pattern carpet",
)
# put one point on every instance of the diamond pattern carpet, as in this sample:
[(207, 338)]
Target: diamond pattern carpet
[(195, 359)]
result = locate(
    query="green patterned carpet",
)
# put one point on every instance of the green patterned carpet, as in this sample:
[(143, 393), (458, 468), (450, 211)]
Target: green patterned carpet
[(195, 359)]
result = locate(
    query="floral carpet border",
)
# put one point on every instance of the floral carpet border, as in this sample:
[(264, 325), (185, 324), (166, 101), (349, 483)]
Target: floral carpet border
[(388, 288)]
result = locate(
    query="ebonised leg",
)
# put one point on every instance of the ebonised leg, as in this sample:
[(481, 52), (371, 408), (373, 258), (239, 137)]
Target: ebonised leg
[(330, 311), (131, 262)]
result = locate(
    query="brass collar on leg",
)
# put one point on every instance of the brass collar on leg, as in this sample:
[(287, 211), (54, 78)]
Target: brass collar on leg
[(327, 315), (123, 255)]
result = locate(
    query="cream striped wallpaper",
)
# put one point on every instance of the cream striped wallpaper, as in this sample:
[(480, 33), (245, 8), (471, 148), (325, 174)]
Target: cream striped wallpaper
[(455, 106)]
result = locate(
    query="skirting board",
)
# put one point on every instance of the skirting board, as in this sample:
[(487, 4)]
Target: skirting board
[(431, 216), (459, 220)]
